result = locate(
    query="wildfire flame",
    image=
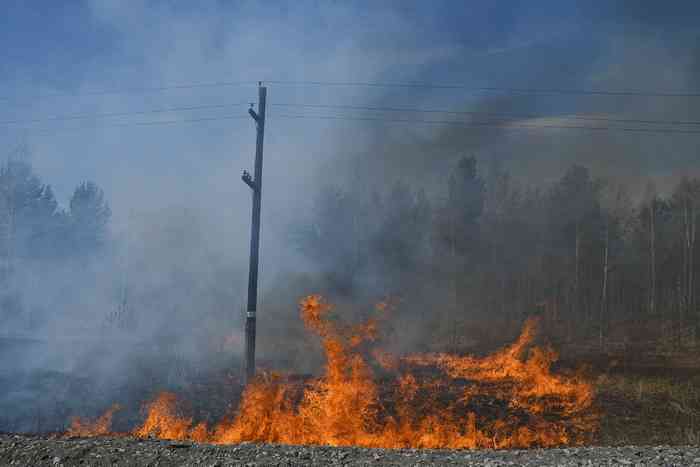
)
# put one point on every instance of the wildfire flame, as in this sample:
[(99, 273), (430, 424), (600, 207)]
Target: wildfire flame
[(80, 427), (506, 400)]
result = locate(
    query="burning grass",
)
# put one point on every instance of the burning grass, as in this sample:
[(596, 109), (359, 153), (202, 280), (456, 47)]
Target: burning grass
[(102, 426), (367, 397)]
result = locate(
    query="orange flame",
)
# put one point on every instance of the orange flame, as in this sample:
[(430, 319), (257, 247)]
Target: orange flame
[(102, 426), (164, 421), (506, 400)]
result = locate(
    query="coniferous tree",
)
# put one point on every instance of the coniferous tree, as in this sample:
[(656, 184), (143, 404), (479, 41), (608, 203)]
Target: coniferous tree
[(89, 216), (29, 214)]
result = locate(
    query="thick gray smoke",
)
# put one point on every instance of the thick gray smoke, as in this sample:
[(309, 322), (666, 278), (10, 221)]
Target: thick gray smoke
[(161, 307)]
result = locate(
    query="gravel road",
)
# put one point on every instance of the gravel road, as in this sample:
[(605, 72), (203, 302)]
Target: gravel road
[(33, 451)]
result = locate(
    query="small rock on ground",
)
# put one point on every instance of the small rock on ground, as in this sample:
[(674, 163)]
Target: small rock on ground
[(21, 450)]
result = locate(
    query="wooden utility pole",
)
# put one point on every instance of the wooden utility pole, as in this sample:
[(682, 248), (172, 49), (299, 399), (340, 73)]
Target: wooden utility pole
[(256, 185)]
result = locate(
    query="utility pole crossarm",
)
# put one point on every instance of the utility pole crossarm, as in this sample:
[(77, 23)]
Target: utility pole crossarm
[(249, 180)]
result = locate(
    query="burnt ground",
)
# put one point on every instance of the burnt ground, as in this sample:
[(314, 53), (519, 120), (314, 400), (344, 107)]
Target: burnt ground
[(646, 399), (46, 451)]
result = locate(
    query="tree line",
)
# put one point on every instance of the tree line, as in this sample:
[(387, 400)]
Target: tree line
[(36, 231), (580, 251)]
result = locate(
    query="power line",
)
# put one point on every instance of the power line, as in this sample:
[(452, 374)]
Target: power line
[(513, 115), (136, 124), (120, 114), (583, 92), (502, 124), (495, 124), (346, 107), (106, 92), (351, 107), (370, 84), (505, 125)]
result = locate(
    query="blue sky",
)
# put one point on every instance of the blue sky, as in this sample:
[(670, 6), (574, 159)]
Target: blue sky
[(57, 40)]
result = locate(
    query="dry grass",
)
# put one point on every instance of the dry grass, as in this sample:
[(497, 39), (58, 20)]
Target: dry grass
[(643, 409)]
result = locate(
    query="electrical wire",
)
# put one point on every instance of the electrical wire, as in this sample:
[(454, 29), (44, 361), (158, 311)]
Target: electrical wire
[(504, 125), (582, 92), (495, 124), (120, 114), (512, 115), (107, 92), (373, 84), (144, 123), (351, 107)]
